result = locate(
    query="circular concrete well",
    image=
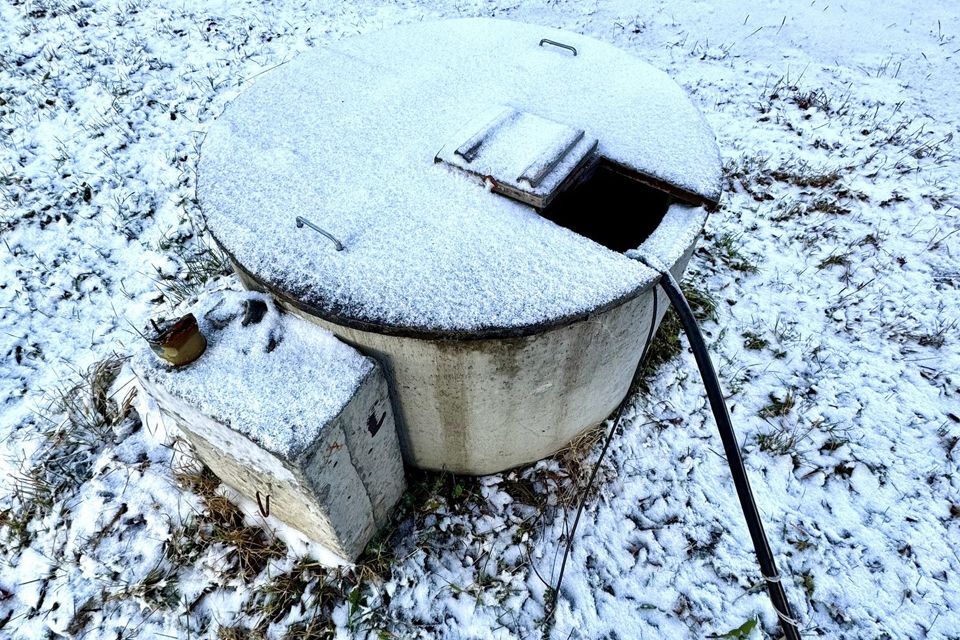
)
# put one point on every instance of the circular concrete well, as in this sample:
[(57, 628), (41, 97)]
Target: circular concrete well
[(455, 199)]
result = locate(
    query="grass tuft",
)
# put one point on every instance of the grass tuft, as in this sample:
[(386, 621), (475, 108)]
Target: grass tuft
[(754, 341), (572, 460), (197, 265), (834, 259), (779, 407), (248, 548), (755, 175), (727, 249), (158, 590), (238, 633), (313, 629), (824, 204), (778, 443), (274, 601), (84, 415)]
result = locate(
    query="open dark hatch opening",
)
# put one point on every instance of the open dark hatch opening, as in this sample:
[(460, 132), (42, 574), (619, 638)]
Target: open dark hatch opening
[(609, 207), (558, 169)]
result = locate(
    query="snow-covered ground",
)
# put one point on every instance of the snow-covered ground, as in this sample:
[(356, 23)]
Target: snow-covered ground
[(834, 262)]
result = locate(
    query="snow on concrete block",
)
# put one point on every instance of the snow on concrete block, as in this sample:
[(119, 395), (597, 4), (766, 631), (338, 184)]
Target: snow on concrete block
[(279, 407)]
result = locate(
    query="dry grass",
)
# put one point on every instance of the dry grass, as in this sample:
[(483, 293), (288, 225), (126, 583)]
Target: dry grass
[(159, 590), (274, 601), (755, 175), (822, 204), (834, 260), (199, 262), (248, 549), (726, 248), (90, 412), (780, 442), (754, 341), (779, 407), (83, 416), (314, 629), (573, 462), (238, 633)]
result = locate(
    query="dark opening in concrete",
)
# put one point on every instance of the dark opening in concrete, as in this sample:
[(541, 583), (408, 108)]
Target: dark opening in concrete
[(611, 208)]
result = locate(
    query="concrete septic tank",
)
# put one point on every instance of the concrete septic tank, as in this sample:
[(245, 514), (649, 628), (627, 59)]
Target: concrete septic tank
[(455, 199)]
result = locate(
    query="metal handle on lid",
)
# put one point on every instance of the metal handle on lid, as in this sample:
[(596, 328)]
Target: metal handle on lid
[(559, 44), (303, 221)]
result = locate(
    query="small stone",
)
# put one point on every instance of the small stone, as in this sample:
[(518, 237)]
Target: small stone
[(253, 311)]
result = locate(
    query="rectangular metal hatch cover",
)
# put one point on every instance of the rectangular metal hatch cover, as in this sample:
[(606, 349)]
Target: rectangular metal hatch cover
[(524, 156)]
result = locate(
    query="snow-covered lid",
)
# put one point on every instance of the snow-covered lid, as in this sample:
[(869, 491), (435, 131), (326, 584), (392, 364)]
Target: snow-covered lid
[(345, 137)]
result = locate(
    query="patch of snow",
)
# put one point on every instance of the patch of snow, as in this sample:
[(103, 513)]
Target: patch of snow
[(278, 380), (860, 511), (678, 230)]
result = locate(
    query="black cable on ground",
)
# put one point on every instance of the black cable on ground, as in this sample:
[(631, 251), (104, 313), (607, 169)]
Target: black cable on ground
[(718, 405), (711, 383), (603, 452)]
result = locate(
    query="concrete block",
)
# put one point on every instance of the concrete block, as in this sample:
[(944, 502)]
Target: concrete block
[(278, 406)]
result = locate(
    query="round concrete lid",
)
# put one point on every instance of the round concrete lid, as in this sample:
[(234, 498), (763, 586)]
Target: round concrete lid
[(346, 137)]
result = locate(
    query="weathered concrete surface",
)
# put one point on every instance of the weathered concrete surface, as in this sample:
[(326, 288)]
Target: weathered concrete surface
[(338, 489), (479, 406), (370, 433), (327, 501)]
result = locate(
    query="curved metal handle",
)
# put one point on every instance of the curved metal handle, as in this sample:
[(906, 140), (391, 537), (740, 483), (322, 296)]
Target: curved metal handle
[(558, 44), (303, 221), (264, 510)]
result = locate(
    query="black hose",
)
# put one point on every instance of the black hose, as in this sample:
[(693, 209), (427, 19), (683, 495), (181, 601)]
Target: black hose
[(711, 383), (768, 567)]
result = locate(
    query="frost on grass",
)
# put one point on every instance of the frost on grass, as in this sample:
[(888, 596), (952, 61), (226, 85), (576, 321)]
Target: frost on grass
[(835, 146)]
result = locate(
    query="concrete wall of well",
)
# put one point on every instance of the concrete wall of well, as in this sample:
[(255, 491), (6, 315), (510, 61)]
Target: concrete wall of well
[(480, 406)]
